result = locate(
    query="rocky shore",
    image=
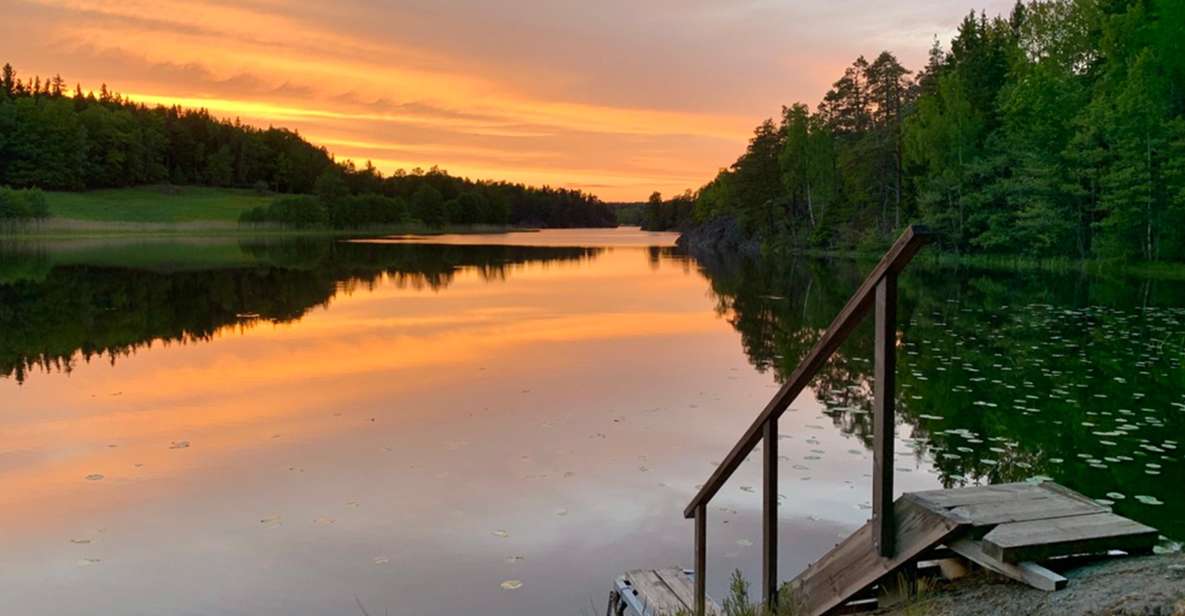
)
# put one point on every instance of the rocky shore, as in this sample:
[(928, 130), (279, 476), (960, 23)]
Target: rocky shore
[(719, 235), (1141, 586)]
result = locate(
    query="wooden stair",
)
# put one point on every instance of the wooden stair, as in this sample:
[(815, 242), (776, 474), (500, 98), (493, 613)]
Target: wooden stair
[(1005, 528)]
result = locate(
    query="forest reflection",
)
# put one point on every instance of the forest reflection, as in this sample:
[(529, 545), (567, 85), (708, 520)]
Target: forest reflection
[(55, 310), (1002, 375)]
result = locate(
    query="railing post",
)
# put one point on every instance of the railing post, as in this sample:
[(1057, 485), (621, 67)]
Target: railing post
[(701, 559), (769, 522), (884, 388)]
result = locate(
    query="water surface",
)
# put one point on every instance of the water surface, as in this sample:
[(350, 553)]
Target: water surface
[(414, 425)]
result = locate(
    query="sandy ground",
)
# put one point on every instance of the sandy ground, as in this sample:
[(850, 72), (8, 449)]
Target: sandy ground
[(1144, 586)]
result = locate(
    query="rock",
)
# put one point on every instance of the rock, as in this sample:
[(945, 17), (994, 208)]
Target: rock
[(1130, 586), (719, 235)]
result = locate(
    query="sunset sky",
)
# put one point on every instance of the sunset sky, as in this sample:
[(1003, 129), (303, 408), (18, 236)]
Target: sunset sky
[(617, 97)]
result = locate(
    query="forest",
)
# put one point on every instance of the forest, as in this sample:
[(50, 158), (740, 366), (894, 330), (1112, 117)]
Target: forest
[(52, 138), (1057, 130)]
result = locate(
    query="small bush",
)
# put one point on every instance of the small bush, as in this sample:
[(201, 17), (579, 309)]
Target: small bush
[(366, 210), (22, 205), (294, 211)]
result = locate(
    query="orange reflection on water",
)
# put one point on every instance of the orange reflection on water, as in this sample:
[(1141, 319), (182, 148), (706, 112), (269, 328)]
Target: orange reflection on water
[(263, 385), (404, 430)]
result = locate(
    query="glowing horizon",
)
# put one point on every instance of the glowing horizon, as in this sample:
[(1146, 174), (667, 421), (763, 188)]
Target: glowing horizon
[(616, 99)]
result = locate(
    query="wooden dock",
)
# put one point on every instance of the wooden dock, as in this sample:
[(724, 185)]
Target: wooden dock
[(1007, 528), (655, 592)]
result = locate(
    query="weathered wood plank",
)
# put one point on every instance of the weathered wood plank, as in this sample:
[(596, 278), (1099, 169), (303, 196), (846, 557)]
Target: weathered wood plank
[(1041, 539), (701, 559), (855, 563), (974, 495), (1066, 492), (680, 584), (769, 516), (654, 594), (1028, 572), (1022, 510), (883, 414)]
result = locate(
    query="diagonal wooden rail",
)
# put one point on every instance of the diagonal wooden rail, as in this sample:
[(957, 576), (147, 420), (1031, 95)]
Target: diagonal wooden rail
[(879, 289)]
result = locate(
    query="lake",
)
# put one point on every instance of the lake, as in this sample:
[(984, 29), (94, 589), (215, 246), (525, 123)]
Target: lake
[(501, 424)]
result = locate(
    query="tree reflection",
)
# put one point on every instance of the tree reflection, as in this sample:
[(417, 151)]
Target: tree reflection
[(52, 316), (1002, 375)]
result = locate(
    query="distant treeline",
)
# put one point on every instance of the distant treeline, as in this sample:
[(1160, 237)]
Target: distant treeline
[(1058, 130), (353, 198), (54, 139), (656, 213), (663, 214)]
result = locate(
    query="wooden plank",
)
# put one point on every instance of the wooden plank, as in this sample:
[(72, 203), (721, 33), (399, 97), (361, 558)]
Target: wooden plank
[(1066, 492), (701, 559), (1028, 572), (769, 517), (1041, 539), (885, 362), (855, 564), (653, 593), (1022, 510), (681, 585), (848, 318), (974, 495)]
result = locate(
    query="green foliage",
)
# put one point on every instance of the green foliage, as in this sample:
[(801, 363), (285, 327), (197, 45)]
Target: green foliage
[(427, 206), (737, 603), (1058, 130), (674, 213), (297, 211), (53, 141), (22, 204)]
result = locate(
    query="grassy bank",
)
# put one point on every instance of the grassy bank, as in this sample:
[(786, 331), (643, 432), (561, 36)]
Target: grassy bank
[(155, 204), (183, 211)]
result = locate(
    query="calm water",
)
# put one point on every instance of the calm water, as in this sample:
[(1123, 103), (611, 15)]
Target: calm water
[(300, 427)]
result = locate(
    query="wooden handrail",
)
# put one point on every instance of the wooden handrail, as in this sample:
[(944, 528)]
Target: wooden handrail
[(879, 288), (898, 256)]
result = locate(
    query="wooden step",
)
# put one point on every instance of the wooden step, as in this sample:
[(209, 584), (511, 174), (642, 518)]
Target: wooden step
[(855, 565), (1005, 528), (1082, 534)]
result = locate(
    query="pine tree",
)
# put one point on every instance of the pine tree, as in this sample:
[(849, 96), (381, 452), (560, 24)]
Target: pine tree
[(8, 80)]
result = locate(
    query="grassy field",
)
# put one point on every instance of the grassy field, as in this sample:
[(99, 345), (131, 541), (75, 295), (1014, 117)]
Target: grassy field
[(155, 204)]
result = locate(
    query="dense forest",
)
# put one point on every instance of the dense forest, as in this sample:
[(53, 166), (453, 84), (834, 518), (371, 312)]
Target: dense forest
[(55, 139), (1058, 130)]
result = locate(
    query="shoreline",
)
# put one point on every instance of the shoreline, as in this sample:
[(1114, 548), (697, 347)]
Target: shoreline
[(1130, 586), (66, 228), (723, 238)]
